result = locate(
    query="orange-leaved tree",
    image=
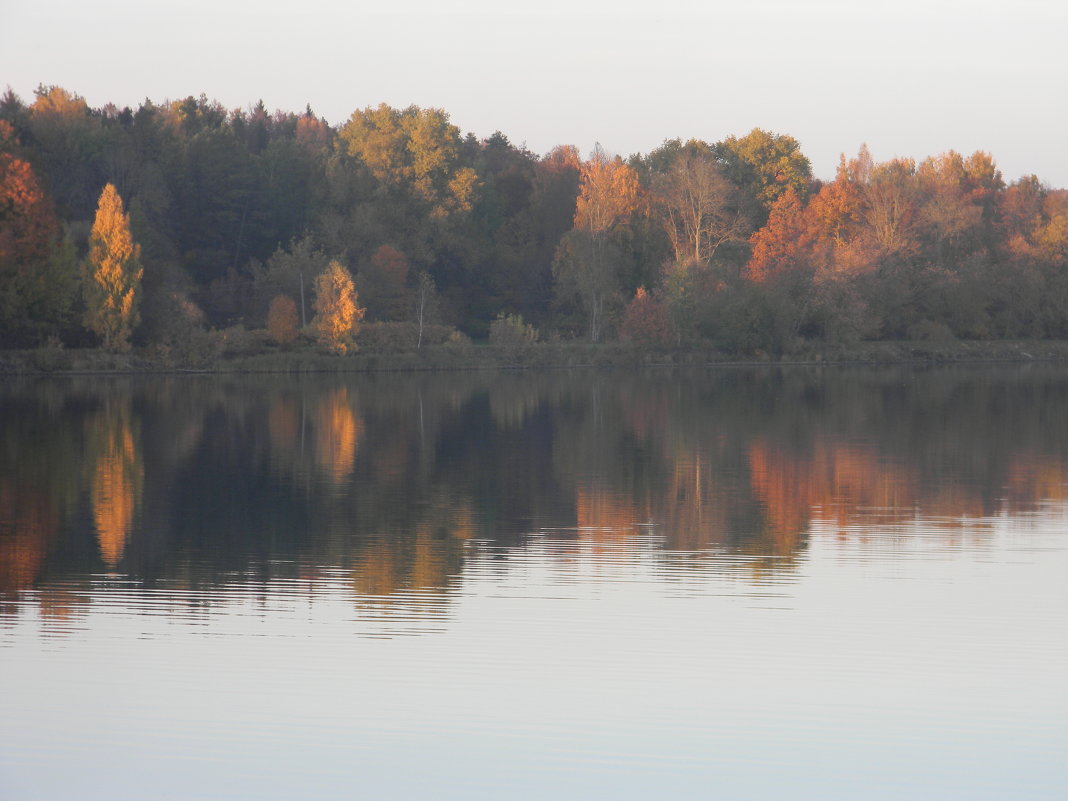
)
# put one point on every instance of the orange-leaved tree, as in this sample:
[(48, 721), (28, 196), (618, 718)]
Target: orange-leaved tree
[(282, 319), (337, 314), (113, 274), (786, 240), (586, 261)]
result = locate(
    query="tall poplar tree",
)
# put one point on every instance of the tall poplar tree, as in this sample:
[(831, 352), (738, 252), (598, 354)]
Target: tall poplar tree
[(337, 315), (113, 274)]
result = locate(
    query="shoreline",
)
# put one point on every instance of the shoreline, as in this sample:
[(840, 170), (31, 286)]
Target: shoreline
[(61, 361)]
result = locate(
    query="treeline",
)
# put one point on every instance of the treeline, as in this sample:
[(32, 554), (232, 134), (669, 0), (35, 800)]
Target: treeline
[(732, 245)]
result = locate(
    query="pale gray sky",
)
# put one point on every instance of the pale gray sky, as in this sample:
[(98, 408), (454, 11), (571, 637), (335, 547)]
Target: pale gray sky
[(909, 77)]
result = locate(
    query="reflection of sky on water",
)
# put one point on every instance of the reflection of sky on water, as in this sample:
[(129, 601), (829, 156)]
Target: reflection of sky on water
[(884, 664)]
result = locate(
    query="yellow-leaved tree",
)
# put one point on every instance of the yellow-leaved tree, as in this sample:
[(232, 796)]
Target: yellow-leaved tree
[(337, 316), (587, 261), (113, 274)]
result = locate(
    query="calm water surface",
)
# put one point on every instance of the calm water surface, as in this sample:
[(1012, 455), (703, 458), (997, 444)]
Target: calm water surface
[(737, 584)]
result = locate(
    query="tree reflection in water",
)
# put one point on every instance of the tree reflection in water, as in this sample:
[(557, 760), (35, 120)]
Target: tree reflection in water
[(214, 481)]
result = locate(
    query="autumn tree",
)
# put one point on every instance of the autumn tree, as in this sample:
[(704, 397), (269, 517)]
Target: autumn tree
[(290, 271), (586, 265), (608, 193), (282, 320), (697, 205), (1051, 232), (1018, 208), (764, 165), (646, 321), (414, 149), (891, 208), (336, 314), (68, 138), (783, 243), (958, 204), (38, 269), (867, 215), (113, 274)]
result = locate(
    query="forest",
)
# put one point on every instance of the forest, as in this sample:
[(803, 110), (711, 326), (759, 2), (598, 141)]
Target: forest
[(185, 231)]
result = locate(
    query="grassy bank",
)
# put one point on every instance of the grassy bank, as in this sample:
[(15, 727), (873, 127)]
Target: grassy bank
[(48, 360)]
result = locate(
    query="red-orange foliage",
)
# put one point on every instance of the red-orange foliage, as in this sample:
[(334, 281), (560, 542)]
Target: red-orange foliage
[(646, 321), (785, 242), (1019, 208), (282, 320), (28, 224), (562, 158), (30, 290), (837, 209), (312, 134)]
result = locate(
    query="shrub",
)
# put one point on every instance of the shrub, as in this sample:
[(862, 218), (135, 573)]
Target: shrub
[(400, 337), (930, 331), (511, 331), (50, 356), (237, 341), (282, 320), (458, 340), (646, 321)]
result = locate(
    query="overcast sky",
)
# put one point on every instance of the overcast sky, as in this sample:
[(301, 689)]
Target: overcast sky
[(909, 77)]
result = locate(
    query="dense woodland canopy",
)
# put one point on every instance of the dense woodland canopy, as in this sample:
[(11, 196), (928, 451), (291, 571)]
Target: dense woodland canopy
[(228, 217)]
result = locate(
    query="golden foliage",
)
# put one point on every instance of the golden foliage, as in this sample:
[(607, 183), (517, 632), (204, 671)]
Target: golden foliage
[(113, 274), (415, 148), (609, 193), (115, 491), (337, 315), (55, 100), (338, 434)]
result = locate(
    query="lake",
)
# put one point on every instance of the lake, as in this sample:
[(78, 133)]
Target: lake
[(739, 583)]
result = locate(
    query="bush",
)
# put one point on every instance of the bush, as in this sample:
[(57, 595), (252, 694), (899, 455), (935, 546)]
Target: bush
[(236, 341), (400, 337), (282, 320), (50, 356), (511, 332), (647, 322), (930, 331), (457, 340)]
